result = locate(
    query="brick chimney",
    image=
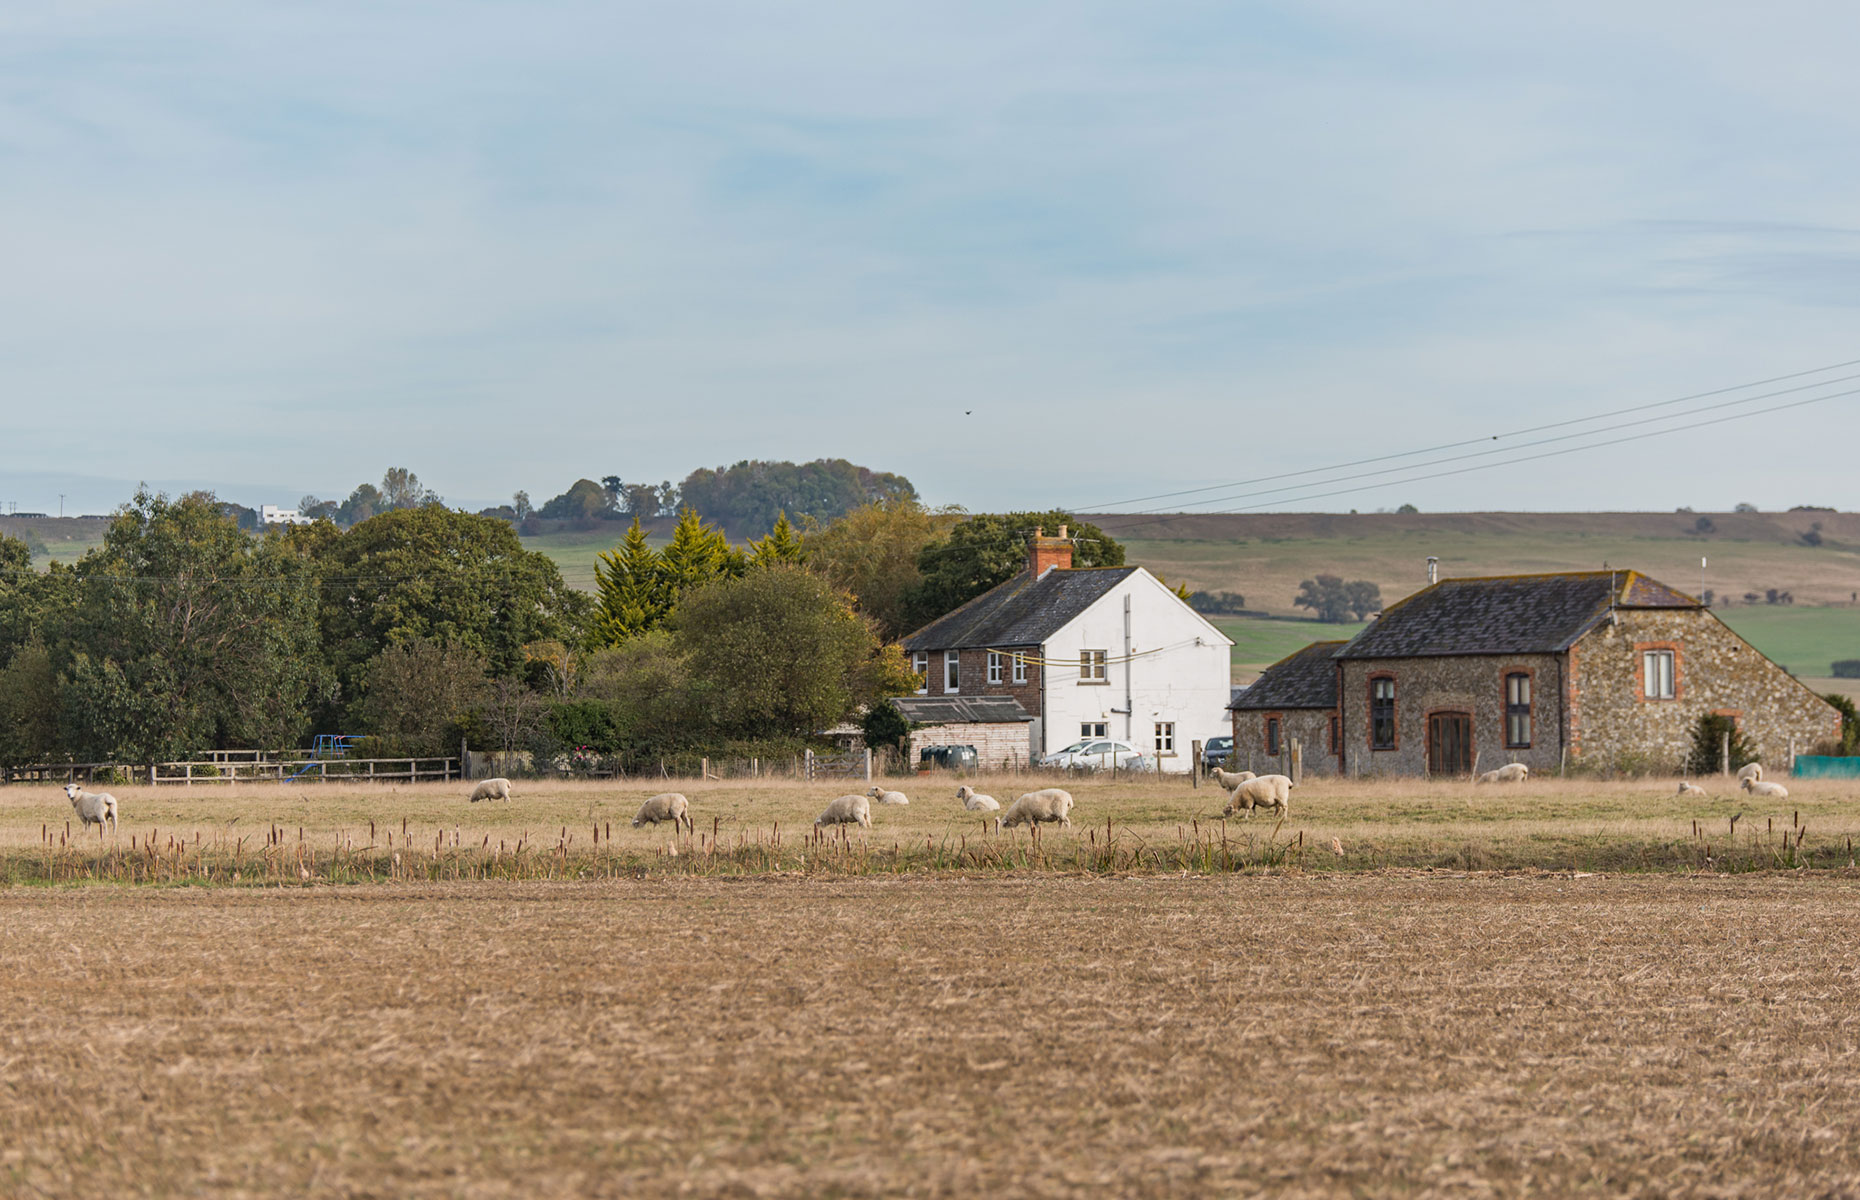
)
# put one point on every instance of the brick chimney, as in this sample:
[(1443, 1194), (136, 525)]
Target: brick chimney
[(1047, 552)]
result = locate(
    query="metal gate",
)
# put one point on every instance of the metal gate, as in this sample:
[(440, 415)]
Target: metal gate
[(1449, 743)]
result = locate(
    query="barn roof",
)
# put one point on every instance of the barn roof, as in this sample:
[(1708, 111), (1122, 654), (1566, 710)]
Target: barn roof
[(1024, 611), (1507, 614), (952, 710), (1302, 679)]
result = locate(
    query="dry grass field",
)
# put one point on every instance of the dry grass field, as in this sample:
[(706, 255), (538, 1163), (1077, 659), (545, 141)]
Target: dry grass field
[(255, 834), (960, 1035)]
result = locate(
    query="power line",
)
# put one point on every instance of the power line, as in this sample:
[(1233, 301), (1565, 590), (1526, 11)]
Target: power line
[(1652, 433), (1542, 441), (1601, 416)]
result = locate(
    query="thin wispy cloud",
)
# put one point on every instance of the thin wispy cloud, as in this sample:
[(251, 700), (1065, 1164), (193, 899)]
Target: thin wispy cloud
[(509, 245)]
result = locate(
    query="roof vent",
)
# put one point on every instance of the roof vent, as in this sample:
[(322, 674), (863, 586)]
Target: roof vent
[(1433, 570)]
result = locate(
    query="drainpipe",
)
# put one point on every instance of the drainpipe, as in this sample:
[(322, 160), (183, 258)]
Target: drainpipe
[(1129, 710)]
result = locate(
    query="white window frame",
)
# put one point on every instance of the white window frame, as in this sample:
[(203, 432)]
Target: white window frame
[(1020, 668), (1658, 678), (1093, 667), (952, 672), (920, 665), (1092, 729), (1165, 737), (994, 668)]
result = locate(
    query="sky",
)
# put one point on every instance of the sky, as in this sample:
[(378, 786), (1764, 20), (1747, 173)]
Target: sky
[(1025, 254)]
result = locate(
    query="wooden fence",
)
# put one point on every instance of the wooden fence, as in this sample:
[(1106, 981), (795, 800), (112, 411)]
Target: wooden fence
[(202, 771), (856, 764)]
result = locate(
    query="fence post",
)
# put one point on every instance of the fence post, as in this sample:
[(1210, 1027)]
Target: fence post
[(1298, 760), (1194, 766), (809, 763), (868, 764), (1724, 754)]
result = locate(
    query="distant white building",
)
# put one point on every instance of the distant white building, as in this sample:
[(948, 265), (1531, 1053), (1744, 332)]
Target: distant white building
[(1102, 652), (271, 514)]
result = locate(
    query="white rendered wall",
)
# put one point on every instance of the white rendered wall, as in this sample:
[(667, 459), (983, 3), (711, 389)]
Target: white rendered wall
[(1180, 673)]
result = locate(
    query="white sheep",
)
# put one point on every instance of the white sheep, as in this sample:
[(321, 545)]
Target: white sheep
[(847, 810), (491, 789), (1758, 787), (884, 797), (1229, 780), (666, 806), (976, 802), (1750, 771), (1047, 804), (1688, 788), (93, 808), (1266, 791), (1509, 773)]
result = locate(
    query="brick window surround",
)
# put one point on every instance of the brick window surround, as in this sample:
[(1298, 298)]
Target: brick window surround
[(1640, 671), (1529, 707)]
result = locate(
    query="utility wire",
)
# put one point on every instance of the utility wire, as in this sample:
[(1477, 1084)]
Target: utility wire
[(1564, 437), (1490, 437), (1652, 433)]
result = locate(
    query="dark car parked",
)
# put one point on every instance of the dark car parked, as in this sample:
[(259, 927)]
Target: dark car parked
[(1215, 751), (947, 758)]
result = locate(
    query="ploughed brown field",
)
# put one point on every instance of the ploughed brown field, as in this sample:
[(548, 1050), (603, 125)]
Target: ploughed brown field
[(953, 1034)]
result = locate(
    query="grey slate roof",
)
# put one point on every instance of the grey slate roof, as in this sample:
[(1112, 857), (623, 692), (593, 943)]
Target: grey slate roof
[(1024, 611), (1302, 679), (950, 710), (1509, 614)]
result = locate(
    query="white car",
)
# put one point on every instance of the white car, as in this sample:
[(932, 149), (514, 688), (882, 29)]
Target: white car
[(1096, 753)]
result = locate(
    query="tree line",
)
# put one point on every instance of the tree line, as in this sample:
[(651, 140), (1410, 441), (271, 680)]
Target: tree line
[(420, 626), (743, 498)]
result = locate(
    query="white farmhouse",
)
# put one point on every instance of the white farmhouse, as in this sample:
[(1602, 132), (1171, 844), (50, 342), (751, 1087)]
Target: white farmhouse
[(271, 514), (1091, 652)]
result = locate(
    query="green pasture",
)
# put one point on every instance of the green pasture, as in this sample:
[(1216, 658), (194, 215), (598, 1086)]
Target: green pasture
[(1261, 641), (575, 553), (1805, 640)]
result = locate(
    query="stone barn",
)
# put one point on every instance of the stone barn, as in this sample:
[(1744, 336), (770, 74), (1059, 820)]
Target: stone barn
[(1599, 668), (1295, 697)]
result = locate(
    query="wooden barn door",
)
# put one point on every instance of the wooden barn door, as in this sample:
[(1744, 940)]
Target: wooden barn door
[(1449, 743)]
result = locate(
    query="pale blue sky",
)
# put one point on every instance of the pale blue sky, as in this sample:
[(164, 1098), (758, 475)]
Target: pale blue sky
[(280, 247)]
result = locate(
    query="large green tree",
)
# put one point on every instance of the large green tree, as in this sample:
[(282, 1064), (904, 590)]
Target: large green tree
[(873, 552), (453, 578), (188, 634), (989, 549), (775, 653), (415, 692)]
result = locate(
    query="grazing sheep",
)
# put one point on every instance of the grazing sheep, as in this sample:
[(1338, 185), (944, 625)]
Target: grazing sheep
[(847, 810), (1509, 773), (1267, 791), (1047, 804), (975, 801), (884, 797), (1750, 771), (1688, 788), (1757, 787), (666, 806), (491, 789), (93, 808), (1229, 780)]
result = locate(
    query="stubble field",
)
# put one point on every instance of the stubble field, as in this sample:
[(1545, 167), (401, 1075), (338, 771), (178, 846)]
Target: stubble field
[(1104, 1011), (935, 1036), (259, 834)]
